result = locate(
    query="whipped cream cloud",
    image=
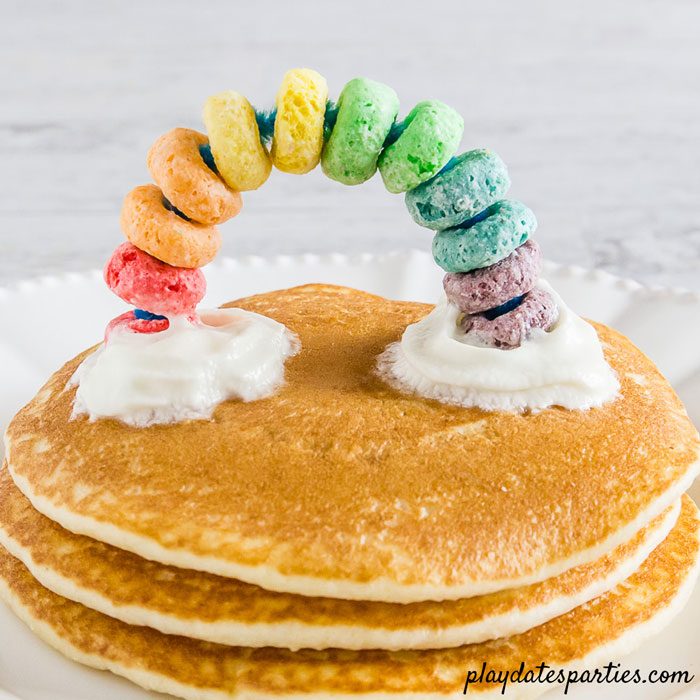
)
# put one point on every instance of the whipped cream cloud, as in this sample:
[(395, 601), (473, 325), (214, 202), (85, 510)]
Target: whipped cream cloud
[(185, 371), (563, 366)]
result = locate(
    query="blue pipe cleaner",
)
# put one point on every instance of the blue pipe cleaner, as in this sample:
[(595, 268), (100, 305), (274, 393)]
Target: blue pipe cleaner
[(329, 119), (266, 123), (449, 165), (397, 128), (497, 311), (146, 315), (208, 157), (171, 207), (476, 218)]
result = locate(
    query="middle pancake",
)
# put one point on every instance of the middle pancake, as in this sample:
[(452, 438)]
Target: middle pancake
[(204, 606)]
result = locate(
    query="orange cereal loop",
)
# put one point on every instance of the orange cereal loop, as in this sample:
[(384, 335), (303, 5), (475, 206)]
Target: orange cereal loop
[(157, 230), (176, 165)]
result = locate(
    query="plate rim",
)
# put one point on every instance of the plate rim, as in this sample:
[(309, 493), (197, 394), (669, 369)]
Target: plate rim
[(337, 259)]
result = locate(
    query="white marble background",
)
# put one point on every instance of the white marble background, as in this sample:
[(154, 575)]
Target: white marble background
[(594, 105)]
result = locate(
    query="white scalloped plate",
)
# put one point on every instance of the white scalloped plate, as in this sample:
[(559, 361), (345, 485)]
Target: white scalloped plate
[(47, 321)]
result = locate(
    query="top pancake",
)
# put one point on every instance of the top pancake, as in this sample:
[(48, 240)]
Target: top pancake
[(340, 486)]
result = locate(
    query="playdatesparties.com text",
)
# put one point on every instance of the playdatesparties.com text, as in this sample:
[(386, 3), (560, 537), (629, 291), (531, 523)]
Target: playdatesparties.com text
[(542, 673)]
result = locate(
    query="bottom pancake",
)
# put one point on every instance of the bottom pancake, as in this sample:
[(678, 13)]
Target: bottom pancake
[(226, 611), (592, 634)]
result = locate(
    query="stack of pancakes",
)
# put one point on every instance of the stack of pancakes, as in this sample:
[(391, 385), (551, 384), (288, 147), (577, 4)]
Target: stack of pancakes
[(342, 539)]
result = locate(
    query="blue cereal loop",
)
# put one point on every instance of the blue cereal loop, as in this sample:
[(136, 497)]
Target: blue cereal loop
[(467, 185), (484, 239)]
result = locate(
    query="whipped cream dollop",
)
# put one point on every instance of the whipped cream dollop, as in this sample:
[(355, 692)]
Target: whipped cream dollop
[(185, 371), (563, 366)]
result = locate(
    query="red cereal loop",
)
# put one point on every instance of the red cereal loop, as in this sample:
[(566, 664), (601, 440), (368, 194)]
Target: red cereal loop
[(128, 322), (143, 281)]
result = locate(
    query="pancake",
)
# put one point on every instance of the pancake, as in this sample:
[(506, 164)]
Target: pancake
[(593, 634), (340, 486), (216, 609)]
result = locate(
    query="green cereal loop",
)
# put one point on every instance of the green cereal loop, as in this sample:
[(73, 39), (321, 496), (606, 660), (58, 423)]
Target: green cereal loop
[(471, 183), (491, 236), (366, 111), (431, 134)]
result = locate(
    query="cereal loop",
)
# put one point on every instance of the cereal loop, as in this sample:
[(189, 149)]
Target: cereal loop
[(129, 322), (469, 183), (234, 138), (538, 310), (429, 136), (176, 165), (366, 111), (143, 281), (298, 132), (152, 227), (484, 240), (489, 287)]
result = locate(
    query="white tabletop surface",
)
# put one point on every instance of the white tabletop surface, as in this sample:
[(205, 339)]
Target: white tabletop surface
[(595, 106)]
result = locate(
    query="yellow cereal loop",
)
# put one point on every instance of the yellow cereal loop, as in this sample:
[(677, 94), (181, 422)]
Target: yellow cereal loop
[(301, 107), (241, 159)]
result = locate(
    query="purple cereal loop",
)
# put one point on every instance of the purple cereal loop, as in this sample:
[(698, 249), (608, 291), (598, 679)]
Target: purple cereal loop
[(483, 289), (537, 310)]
